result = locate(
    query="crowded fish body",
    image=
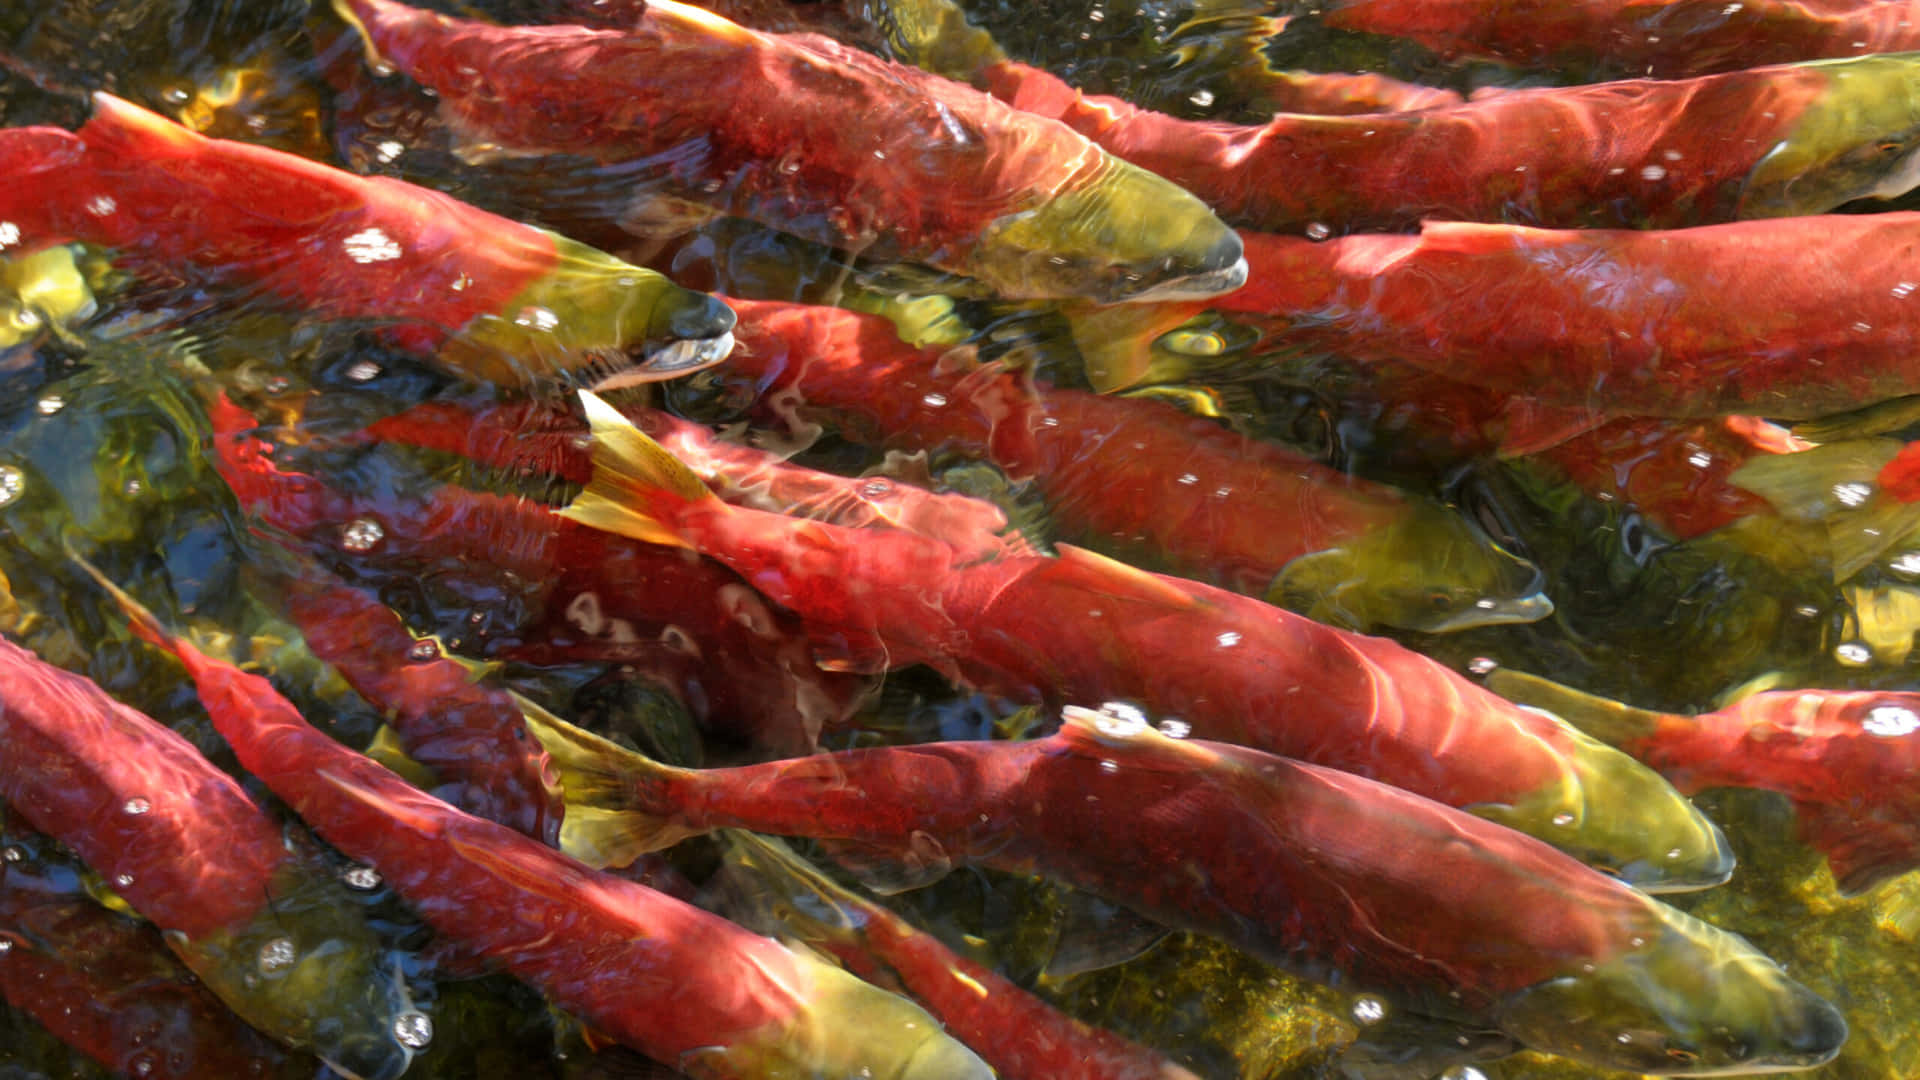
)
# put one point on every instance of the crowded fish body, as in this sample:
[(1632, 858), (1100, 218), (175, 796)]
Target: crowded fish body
[(946, 539)]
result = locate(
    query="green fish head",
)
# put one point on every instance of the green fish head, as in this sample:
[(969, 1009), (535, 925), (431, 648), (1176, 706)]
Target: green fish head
[(1122, 236), (1610, 811), (1429, 570), (1857, 140), (597, 322), (1688, 1000)]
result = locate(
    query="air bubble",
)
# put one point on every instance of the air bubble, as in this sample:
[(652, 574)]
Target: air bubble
[(1482, 665), (1201, 98), (876, 488), (121, 881), (1852, 493), (363, 878), (50, 404), (137, 805), (362, 535), (12, 854), (1907, 564), (1699, 459), (1229, 639), (1318, 231), (370, 246), (935, 401), (276, 956), (1175, 729), (423, 650), (1853, 654), (364, 371), (276, 384), (1652, 173), (12, 483), (1890, 721), (1563, 819), (413, 1030), (1369, 1010), (538, 318)]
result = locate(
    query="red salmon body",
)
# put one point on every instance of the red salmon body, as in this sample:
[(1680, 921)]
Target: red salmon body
[(1319, 871), (820, 140), (1785, 317), (1085, 628), (1662, 38), (661, 976), (1645, 153)]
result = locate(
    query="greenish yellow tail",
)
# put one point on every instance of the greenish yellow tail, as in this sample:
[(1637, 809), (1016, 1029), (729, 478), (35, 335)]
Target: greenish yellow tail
[(638, 488)]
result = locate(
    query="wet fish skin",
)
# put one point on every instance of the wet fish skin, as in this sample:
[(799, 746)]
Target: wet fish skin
[(1020, 1035), (759, 125), (1662, 38), (1141, 476), (1644, 153), (199, 860), (1318, 871), (1846, 759), (687, 988), (107, 985), (1082, 627), (1788, 318), (741, 667), (450, 277)]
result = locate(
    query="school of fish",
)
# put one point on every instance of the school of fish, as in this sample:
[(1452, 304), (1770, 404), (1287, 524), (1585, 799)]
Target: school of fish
[(951, 539)]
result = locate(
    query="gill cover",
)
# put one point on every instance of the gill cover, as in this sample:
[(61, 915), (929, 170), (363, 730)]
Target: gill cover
[(1857, 140)]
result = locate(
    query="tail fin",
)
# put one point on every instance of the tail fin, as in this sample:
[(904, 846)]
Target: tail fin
[(636, 482), (144, 623), (1604, 718), (611, 820)]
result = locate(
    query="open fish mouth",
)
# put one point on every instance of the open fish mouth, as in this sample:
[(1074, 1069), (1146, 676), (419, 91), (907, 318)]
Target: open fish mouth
[(612, 369), (1194, 286)]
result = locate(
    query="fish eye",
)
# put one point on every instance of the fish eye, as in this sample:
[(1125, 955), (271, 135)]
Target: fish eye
[(1440, 601)]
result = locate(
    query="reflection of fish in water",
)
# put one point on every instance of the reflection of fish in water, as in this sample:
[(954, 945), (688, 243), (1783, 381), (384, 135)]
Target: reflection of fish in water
[(498, 300), (267, 929), (661, 976), (1849, 760), (1319, 871), (1134, 476), (1021, 1036), (1083, 627), (1770, 142), (823, 141)]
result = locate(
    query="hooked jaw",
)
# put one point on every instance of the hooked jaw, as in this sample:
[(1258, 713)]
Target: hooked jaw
[(1614, 813), (596, 322), (1123, 235), (1691, 1000), (1858, 139)]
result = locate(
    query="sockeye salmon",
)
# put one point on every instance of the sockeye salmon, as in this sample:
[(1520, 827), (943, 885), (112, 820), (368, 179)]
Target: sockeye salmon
[(1767, 142), (1662, 38), (1788, 318), (1848, 759), (269, 929), (1136, 477), (1082, 627), (497, 300), (1321, 872), (823, 141), (661, 976)]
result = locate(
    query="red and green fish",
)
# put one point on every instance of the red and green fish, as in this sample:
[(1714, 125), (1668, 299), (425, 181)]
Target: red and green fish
[(742, 668), (496, 299), (1321, 872), (1143, 478), (1766, 142), (821, 140), (1082, 627), (656, 974), (266, 926), (1662, 38), (1788, 318), (1021, 1036), (1848, 760)]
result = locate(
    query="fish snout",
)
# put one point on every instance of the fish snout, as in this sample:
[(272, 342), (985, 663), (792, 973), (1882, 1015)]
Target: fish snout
[(1121, 235), (1689, 1000), (1857, 139)]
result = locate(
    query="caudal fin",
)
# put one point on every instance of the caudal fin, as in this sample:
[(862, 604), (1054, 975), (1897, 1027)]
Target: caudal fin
[(614, 814), (638, 488)]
